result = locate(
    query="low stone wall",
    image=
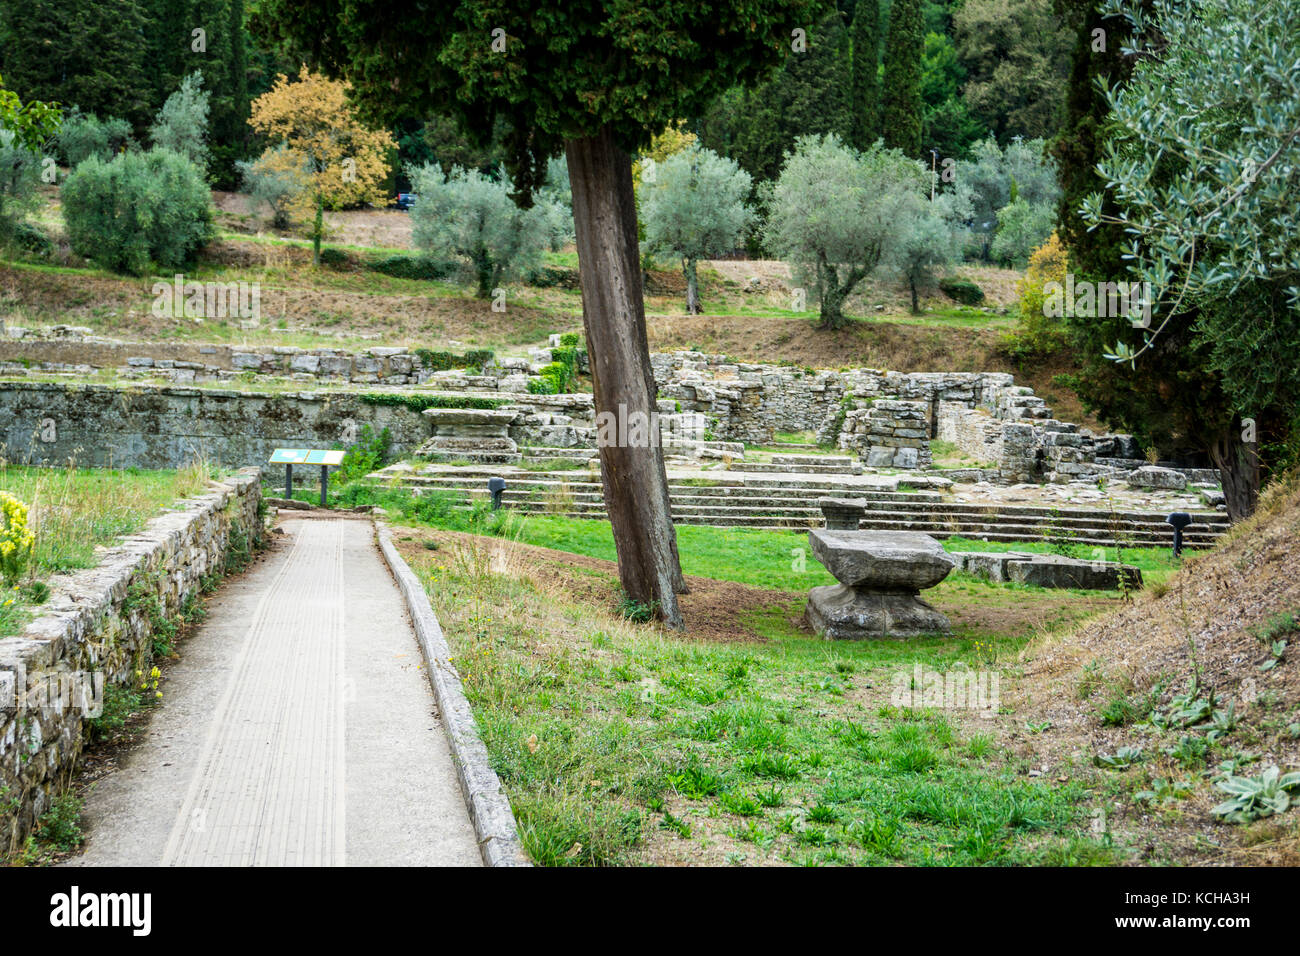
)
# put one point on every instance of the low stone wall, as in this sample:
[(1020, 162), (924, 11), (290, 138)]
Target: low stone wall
[(167, 426), (188, 364), (96, 630)]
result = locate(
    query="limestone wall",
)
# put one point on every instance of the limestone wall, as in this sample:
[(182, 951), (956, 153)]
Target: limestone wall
[(975, 432), (165, 426), (96, 630)]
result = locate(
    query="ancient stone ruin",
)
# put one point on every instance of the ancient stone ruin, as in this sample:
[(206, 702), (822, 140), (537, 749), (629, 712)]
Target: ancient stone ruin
[(881, 575)]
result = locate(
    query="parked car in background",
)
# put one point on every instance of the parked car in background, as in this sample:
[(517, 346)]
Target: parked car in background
[(405, 201)]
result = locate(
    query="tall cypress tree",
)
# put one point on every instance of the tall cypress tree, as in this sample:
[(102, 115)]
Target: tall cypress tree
[(900, 102), (1078, 147), (90, 55), (866, 73), (810, 94)]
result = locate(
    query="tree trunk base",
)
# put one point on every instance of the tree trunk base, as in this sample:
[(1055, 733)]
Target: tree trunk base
[(634, 478)]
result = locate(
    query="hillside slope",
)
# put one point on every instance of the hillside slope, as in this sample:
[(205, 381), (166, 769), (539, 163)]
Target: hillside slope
[(1100, 685)]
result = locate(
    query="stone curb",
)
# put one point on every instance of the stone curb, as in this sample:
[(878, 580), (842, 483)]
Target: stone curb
[(489, 807)]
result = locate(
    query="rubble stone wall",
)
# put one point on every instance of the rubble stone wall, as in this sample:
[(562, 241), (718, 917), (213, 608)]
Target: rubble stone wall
[(96, 630)]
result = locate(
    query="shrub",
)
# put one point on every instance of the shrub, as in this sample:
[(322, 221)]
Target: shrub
[(334, 258), (1022, 226), (138, 210), (961, 290), (426, 268), (83, 136), (16, 539), (182, 124), (279, 178), (1037, 333)]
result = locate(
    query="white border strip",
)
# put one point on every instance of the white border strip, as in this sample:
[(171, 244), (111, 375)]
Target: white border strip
[(489, 807)]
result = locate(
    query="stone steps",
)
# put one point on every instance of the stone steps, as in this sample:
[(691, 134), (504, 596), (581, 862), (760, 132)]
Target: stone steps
[(767, 468), (758, 502), (1007, 533), (555, 481)]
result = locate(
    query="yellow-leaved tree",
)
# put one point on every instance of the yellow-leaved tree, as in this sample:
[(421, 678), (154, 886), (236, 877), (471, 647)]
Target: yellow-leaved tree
[(1038, 334), (344, 162)]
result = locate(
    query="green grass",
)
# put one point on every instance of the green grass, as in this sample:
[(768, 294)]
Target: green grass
[(618, 745), (72, 511), (779, 560)]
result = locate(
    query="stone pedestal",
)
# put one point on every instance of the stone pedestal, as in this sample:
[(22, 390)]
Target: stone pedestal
[(881, 575), (480, 435), (843, 514)]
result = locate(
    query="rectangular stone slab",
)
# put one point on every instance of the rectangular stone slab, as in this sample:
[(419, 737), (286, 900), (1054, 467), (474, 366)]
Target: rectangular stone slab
[(881, 560)]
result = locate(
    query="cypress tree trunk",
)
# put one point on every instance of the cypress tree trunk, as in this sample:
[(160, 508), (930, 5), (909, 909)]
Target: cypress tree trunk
[(613, 313)]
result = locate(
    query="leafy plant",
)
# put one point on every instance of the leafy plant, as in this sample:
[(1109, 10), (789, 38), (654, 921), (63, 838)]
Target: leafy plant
[(1122, 759), (1255, 797), (1164, 792), (369, 454), (636, 611)]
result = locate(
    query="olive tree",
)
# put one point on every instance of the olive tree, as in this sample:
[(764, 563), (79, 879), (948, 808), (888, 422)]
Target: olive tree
[(836, 214), (20, 178), (998, 178), (595, 80), (1203, 167), (182, 124), (695, 209), (932, 237), (466, 215)]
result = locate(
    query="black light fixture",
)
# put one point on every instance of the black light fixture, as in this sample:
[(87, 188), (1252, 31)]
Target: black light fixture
[(496, 486), (1179, 520)]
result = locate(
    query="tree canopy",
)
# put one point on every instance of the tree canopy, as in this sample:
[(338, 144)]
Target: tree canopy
[(556, 70)]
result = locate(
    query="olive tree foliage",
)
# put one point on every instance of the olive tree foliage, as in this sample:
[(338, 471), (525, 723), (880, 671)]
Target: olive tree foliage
[(182, 124), (932, 236), (835, 214), (20, 178), (137, 211), (277, 179), (997, 177), (466, 215), (1203, 167), (84, 135), (556, 199), (695, 209)]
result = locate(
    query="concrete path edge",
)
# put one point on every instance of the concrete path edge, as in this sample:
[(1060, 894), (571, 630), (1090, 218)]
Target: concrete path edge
[(489, 807)]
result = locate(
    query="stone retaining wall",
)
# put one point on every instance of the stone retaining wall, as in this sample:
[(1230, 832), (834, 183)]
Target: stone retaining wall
[(96, 630), (168, 426)]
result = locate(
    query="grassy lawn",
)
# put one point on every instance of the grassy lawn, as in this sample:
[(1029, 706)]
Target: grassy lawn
[(73, 511), (778, 560), (622, 744), (619, 744)]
